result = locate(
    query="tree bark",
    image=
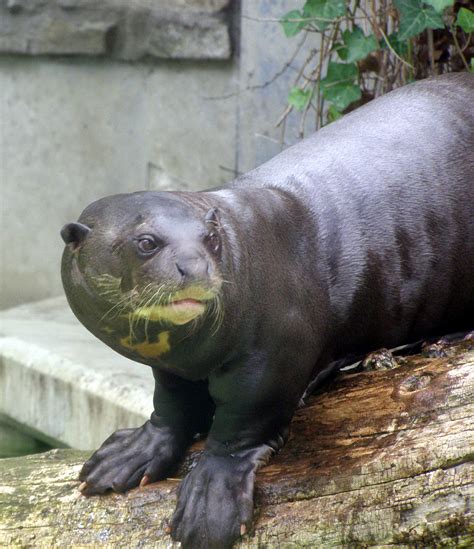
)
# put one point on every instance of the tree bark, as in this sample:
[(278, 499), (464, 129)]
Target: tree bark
[(379, 459)]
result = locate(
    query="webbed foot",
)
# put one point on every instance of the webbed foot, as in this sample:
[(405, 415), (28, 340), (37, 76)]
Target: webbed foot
[(215, 500), (131, 457)]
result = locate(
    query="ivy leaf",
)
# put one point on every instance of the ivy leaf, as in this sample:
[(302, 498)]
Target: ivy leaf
[(400, 46), (341, 50), (291, 27), (299, 98), (439, 5), (415, 18), (340, 72), (338, 87), (333, 114), (342, 95), (326, 9), (465, 20), (356, 46)]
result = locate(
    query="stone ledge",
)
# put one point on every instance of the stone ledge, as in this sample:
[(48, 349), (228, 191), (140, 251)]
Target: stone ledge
[(184, 29), (57, 379)]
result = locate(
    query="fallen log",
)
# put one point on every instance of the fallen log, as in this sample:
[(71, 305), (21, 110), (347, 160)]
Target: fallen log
[(380, 459)]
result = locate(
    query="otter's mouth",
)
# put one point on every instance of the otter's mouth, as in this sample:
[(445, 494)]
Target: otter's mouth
[(183, 307), (158, 303)]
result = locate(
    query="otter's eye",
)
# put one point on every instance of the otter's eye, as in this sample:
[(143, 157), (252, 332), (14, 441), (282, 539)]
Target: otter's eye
[(146, 244), (213, 242)]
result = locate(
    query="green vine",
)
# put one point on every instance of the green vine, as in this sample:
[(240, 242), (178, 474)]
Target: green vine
[(368, 47)]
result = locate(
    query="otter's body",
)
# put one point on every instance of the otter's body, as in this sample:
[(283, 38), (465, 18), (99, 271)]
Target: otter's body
[(387, 195), (358, 237)]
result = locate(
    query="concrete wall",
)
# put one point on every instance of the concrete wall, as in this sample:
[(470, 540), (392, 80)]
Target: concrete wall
[(73, 129), (265, 80)]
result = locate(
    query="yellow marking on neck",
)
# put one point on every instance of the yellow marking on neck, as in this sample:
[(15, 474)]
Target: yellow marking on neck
[(147, 349)]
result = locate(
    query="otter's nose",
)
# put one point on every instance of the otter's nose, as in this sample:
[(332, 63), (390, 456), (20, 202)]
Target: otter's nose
[(193, 268), (74, 233)]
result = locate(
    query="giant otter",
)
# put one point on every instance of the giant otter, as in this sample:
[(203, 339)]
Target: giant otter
[(358, 237)]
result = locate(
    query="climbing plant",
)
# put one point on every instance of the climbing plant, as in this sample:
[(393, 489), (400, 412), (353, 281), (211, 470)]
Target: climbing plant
[(368, 47)]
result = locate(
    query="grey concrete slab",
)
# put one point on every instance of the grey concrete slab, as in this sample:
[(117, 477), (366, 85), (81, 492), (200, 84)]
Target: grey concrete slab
[(58, 379)]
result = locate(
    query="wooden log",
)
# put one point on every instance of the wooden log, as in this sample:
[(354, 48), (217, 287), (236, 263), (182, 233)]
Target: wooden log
[(379, 459)]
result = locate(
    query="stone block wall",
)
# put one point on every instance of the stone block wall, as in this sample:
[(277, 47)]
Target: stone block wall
[(128, 30)]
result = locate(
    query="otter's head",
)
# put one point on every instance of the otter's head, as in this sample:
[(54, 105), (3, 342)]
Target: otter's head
[(140, 265)]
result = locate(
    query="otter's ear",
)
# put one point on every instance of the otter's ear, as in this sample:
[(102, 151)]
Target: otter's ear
[(74, 233), (212, 217)]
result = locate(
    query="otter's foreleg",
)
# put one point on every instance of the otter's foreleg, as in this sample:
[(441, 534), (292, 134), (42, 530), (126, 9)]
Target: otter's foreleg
[(148, 453), (254, 406)]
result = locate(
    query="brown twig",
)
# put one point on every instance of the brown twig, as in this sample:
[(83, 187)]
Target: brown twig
[(327, 52), (386, 40), (458, 48), (319, 102), (374, 25), (283, 115), (468, 41), (282, 134), (431, 51), (294, 20), (277, 75), (303, 119), (289, 108)]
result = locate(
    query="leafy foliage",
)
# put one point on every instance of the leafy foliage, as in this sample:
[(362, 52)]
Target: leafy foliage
[(299, 98), (368, 47), (466, 20), (324, 11), (339, 85), (400, 47), (440, 5), (333, 114), (356, 46), (415, 18), (292, 23)]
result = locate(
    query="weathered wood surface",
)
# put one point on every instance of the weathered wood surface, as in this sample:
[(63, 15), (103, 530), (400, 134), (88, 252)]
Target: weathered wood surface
[(381, 459)]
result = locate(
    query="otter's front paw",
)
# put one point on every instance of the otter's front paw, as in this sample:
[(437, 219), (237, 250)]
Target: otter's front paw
[(131, 457), (215, 501)]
